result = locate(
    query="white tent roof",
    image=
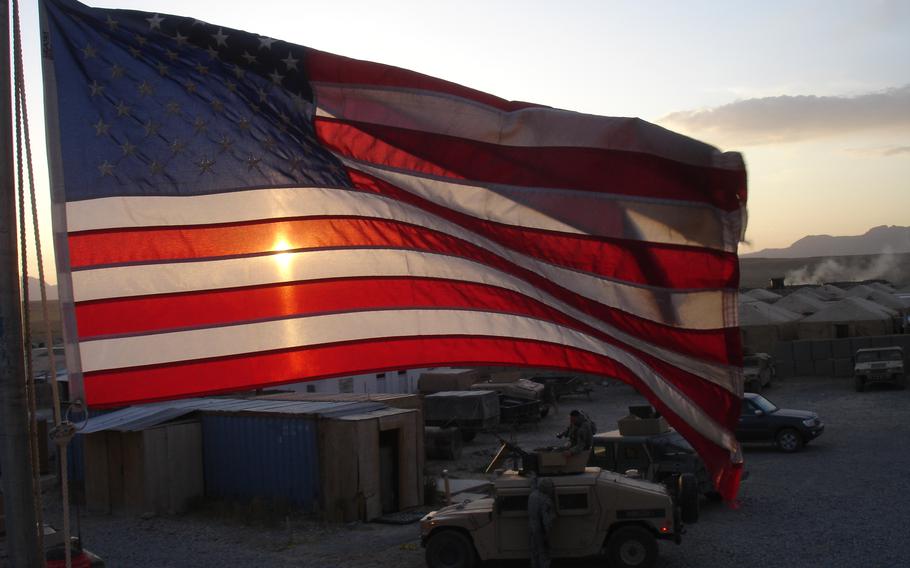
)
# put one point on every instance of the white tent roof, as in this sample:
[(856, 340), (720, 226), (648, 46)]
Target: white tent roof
[(760, 313), (888, 300), (860, 291), (762, 295), (881, 287), (830, 292), (852, 309), (802, 302)]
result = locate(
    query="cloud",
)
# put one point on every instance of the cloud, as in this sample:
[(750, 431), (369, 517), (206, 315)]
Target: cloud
[(788, 118), (881, 151)]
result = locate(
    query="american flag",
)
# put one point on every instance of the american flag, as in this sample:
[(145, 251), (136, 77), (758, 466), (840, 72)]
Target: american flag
[(235, 211)]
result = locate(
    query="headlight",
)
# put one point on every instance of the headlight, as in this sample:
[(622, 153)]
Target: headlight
[(809, 422)]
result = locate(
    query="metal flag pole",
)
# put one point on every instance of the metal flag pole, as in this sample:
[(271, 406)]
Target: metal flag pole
[(19, 507)]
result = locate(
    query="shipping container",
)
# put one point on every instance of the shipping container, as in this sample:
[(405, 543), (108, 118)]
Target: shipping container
[(262, 456)]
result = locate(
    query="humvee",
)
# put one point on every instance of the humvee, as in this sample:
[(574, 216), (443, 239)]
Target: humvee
[(660, 457), (758, 371), (598, 513), (879, 365)]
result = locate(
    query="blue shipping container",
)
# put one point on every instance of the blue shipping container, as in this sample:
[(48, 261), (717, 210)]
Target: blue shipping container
[(267, 457)]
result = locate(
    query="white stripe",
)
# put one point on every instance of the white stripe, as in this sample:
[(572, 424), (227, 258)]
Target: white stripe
[(451, 115), (191, 345), (693, 310), (570, 211), (351, 263)]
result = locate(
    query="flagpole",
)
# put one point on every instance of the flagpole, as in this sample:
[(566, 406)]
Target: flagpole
[(18, 498)]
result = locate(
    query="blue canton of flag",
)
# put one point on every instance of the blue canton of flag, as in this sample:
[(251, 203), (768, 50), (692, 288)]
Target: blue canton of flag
[(164, 105)]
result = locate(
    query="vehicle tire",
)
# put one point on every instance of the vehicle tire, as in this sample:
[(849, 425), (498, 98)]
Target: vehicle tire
[(631, 547), (789, 440), (468, 435), (450, 549), (687, 497), (858, 384), (901, 382), (544, 410)]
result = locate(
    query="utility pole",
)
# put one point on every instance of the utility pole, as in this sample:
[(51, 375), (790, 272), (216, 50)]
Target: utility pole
[(16, 467)]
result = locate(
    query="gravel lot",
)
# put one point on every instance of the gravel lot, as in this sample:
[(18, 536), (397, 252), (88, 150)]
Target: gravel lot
[(842, 501)]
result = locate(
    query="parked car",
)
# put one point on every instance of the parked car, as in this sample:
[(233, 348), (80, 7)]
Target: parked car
[(762, 421), (758, 371), (880, 365)]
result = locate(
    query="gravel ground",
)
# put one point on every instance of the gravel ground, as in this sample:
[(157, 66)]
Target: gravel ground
[(842, 501)]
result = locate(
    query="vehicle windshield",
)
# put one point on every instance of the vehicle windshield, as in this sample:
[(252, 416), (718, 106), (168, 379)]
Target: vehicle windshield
[(869, 356), (764, 404), (672, 443)]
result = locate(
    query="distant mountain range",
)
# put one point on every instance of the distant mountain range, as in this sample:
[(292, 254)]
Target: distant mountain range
[(877, 240)]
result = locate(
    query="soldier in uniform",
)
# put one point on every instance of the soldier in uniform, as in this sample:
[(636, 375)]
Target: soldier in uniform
[(541, 516), (580, 433)]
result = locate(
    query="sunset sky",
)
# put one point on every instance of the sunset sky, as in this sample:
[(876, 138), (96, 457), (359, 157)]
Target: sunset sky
[(815, 94)]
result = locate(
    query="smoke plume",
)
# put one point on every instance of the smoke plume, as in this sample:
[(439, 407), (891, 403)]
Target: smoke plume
[(886, 266)]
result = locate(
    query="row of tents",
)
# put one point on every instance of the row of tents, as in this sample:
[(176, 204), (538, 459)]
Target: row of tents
[(821, 312)]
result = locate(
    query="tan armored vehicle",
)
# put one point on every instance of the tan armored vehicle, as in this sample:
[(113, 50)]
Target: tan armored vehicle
[(598, 513), (879, 365)]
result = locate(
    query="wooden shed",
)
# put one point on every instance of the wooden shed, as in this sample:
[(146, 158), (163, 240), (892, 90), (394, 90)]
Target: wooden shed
[(156, 469), (372, 463), (350, 460)]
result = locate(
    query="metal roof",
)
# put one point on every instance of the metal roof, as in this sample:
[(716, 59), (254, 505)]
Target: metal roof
[(137, 418), (465, 393)]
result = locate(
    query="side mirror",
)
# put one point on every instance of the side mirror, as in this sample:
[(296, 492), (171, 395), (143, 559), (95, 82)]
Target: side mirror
[(759, 412)]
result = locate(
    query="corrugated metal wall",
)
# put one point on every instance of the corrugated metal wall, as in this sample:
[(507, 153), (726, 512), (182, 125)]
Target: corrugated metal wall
[(270, 457)]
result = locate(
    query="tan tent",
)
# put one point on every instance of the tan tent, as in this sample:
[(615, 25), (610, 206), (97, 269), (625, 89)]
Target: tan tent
[(761, 295), (762, 325), (850, 317), (830, 292), (860, 291), (803, 301)]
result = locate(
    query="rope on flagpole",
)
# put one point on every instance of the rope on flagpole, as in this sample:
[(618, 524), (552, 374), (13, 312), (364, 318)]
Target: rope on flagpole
[(30, 395), (63, 430)]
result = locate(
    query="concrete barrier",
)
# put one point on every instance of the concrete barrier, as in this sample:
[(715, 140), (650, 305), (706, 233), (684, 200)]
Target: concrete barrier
[(843, 367), (828, 357), (802, 350), (841, 349), (821, 350)]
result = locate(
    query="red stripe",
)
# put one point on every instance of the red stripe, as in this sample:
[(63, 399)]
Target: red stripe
[(669, 266), (165, 313), (331, 68), (639, 262), (721, 345), (221, 307), (706, 344), (590, 169), (117, 388)]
